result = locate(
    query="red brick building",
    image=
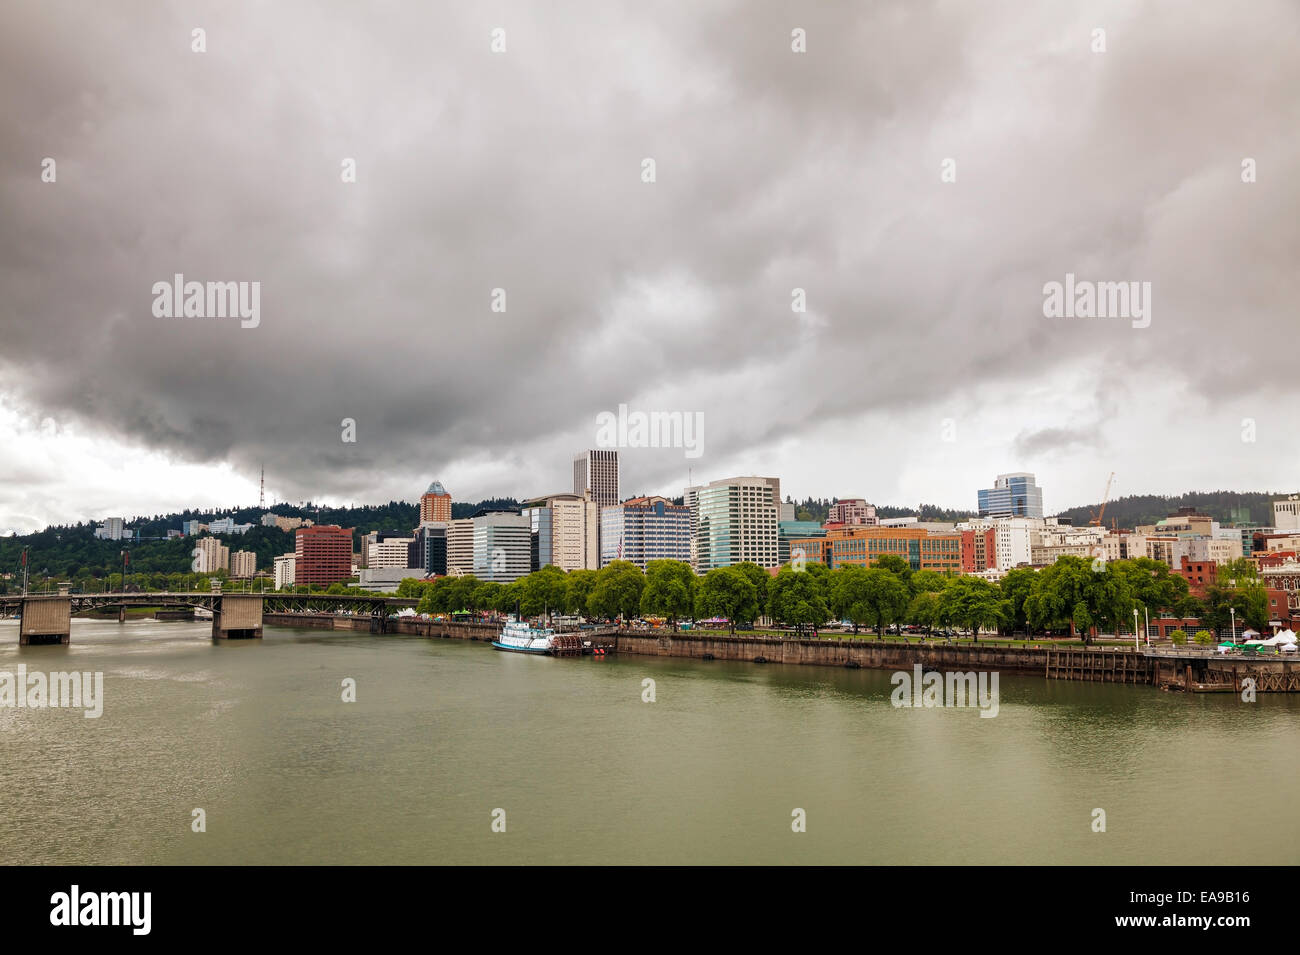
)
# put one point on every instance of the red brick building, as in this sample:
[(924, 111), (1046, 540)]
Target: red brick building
[(323, 554), (979, 550), (1198, 573)]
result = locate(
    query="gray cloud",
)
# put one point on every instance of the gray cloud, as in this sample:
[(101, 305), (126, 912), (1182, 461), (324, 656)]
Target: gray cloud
[(521, 170)]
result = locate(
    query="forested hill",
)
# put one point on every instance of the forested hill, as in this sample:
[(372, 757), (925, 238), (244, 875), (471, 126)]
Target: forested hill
[(1235, 507), (816, 509)]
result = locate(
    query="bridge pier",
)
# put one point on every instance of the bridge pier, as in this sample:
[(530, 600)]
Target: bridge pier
[(237, 617), (45, 620)]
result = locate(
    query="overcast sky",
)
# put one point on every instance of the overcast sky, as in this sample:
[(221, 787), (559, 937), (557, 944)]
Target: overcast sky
[(923, 365)]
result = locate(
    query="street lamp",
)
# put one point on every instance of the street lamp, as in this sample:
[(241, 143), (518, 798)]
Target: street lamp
[(1233, 611), (1135, 629)]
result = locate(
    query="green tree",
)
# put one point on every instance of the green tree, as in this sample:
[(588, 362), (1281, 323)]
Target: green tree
[(925, 610), (1204, 637), (796, 597), (1016, 586), (727, 592), (669, 590), (973, 603), (578, 587), (1179, 637), (617, 591), (869, 596), (759, 577)]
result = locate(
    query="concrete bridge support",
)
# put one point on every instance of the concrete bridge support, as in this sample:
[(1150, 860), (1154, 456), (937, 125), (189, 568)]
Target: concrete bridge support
[(237, 617), (45, 620)]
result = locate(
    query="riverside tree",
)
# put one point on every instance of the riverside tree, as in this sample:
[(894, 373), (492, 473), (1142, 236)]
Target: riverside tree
[(868, 596), (669, 590), (617, 591), (973, 602), (727, 592), (797, 597)]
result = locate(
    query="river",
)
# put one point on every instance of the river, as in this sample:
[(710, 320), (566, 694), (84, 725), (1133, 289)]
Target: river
[(444, 733)]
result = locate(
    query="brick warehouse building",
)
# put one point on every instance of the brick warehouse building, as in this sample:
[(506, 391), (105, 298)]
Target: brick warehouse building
[(323, 554), (862, 545)]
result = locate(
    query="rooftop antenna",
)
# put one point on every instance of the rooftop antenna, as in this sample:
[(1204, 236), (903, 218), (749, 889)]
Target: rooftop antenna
[(261, 493)]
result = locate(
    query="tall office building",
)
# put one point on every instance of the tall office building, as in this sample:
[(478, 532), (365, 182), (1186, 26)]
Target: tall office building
[(388, 551), (735, 520), (284, 571), (502, 550), (323, 554), (565, 531), (212, 557), (243, 563), (429, 549), (460, 547), (597, 472), (435, 504), (1012, 495), (643, 529)]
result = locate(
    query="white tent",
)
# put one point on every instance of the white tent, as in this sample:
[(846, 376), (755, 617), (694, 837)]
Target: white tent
[(1282, 636)]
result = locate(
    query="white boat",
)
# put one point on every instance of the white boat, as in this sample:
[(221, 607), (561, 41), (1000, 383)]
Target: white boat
[(522, 638), (202, 613)]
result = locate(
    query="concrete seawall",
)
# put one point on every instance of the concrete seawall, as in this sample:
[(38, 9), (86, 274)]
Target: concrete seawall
[(1100, 664)]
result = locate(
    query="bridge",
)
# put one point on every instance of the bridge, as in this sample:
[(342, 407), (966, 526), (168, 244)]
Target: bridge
[(47, 619)]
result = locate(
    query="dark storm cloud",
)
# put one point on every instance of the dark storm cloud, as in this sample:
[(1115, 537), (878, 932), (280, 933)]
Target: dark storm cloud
[(521, 170)]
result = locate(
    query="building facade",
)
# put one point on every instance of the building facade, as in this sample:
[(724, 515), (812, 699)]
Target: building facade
[(863, 546), (597, 472), (285, 576), (1012, 495), (435, 504), (502, 545), (323, 554), (460, 547), (212, 556), (735, 520), (243, 564), (851, 510), (565, 532), (643, 529)]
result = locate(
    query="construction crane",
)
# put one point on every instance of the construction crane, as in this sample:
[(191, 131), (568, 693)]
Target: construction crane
[(1099, 516)]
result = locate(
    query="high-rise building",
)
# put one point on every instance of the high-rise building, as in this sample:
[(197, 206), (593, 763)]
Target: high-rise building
[(852, 510), (323, 554), (735, 520), (597, 472), (502, 545), (111, 530), (212, 556), (435, 504), (565, 531), (460, 547), (429, 549), (243, 563), (387, 551), (1012, 495), (284, 572), (643, 529)]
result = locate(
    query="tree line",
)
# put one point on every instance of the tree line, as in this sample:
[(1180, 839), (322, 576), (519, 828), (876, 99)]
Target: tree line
[(1077, 595)]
